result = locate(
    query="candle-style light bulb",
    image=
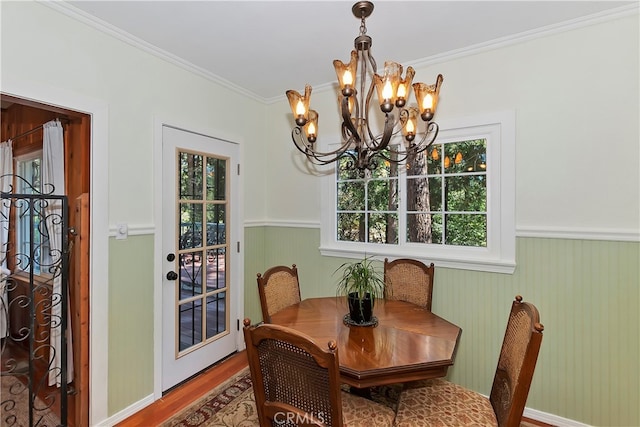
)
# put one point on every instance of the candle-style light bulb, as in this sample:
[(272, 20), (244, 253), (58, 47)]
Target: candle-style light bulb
[(311, 128), (427, 102), (409, 117), (387, 92), (410, 127), (347, 78), (402, 91), (300, 108)]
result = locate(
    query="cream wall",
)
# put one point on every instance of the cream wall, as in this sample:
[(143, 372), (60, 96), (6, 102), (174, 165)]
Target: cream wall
[(589, 188), (575, 95), (56, 56)]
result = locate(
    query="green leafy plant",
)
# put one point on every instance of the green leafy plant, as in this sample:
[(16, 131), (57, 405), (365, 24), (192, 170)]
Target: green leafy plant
[(360, 280)]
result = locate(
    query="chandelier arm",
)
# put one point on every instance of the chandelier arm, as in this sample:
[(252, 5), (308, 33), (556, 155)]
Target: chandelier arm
[(362, 117), (400, 157), (372, 61), (372, 160), (380, 142), (430, 136), (416, 148), (318, 157), (370, 141), (347, 124), (389, 123), (366, 102)]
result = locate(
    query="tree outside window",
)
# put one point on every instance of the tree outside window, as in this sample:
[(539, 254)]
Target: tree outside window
[(445, 203), (454, 204)]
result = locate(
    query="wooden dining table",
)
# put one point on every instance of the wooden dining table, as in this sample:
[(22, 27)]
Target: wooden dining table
[(408, 342)]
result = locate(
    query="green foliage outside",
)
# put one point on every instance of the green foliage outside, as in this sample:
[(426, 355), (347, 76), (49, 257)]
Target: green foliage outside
[(196, 171), (448, 197)]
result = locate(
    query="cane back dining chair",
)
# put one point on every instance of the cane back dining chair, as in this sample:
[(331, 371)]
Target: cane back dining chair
[(442, 403), (278, 288), (409, 280), (296, 382)]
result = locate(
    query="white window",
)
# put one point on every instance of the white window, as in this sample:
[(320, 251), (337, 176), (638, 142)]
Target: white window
[(454, 205), (30, 223)]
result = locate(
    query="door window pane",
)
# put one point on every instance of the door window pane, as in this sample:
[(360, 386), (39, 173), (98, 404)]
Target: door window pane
[(216, 178), (190, 324), (216, 314), (190, 225), (216, 269), (190, 176), (216, 219), (190, 274)]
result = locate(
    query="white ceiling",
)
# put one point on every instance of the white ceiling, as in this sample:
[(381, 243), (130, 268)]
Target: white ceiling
[(266, 47)]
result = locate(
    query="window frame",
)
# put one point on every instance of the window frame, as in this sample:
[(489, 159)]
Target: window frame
[(40, 273), (498, 256)]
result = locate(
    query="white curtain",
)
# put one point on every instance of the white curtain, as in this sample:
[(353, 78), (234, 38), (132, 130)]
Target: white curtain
[(6, 170), (53, 177)]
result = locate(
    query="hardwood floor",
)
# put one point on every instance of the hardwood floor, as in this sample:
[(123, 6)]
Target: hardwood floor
[(182, 396)]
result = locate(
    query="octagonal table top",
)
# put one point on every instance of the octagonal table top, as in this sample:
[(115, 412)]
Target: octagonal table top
[(408, 343)]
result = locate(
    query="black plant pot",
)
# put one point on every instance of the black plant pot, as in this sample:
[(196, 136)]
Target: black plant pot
[(360, 310)]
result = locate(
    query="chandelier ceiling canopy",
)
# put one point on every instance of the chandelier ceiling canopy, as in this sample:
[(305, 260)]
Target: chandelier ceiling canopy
[(363, 146)]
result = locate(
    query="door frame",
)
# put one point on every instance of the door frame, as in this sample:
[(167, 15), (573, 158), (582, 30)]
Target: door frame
[(159, 264), (99, 227)]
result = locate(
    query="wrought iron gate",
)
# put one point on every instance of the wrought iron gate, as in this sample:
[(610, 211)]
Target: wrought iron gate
[(34, 304)]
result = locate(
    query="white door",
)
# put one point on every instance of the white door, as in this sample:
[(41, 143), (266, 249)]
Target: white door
[(200, 294)]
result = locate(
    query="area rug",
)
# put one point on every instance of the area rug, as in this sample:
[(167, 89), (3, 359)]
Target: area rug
[(14, 401), (231, 404)]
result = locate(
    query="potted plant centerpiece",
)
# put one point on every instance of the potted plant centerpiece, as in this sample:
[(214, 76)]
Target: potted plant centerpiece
[(361, 282)]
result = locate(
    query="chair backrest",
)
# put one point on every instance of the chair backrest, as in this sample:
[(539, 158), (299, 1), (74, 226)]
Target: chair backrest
[(295, 382), (278, 288), (516, 364), (409, 280)]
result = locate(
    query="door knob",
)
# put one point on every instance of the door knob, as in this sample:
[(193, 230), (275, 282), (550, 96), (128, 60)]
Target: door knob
[(171, 257), (172, 275)]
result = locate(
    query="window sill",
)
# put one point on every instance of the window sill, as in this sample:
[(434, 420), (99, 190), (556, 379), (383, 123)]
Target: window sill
[(358, 251), (22, 277)]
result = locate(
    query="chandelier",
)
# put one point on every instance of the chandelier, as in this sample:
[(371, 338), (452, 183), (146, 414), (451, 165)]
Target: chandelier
[(361, 145)]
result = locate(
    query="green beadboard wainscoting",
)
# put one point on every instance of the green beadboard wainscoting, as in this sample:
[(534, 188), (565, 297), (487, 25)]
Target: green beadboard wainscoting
[(253, 264), (587, 292), (130, 321)]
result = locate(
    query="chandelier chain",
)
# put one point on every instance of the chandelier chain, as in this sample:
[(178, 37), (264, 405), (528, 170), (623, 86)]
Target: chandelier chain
[(363, 26)]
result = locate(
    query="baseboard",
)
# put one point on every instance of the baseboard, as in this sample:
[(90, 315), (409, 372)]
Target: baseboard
[(551, 419), (127, 412)]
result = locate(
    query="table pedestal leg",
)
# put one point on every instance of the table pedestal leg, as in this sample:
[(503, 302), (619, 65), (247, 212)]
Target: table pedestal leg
[(363, 392)]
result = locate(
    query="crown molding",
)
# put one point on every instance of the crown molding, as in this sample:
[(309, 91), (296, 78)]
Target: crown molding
[(92, 21), (113, 31), (525, 36)]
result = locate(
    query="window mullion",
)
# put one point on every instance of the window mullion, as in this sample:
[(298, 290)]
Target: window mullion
[(402, 205)]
